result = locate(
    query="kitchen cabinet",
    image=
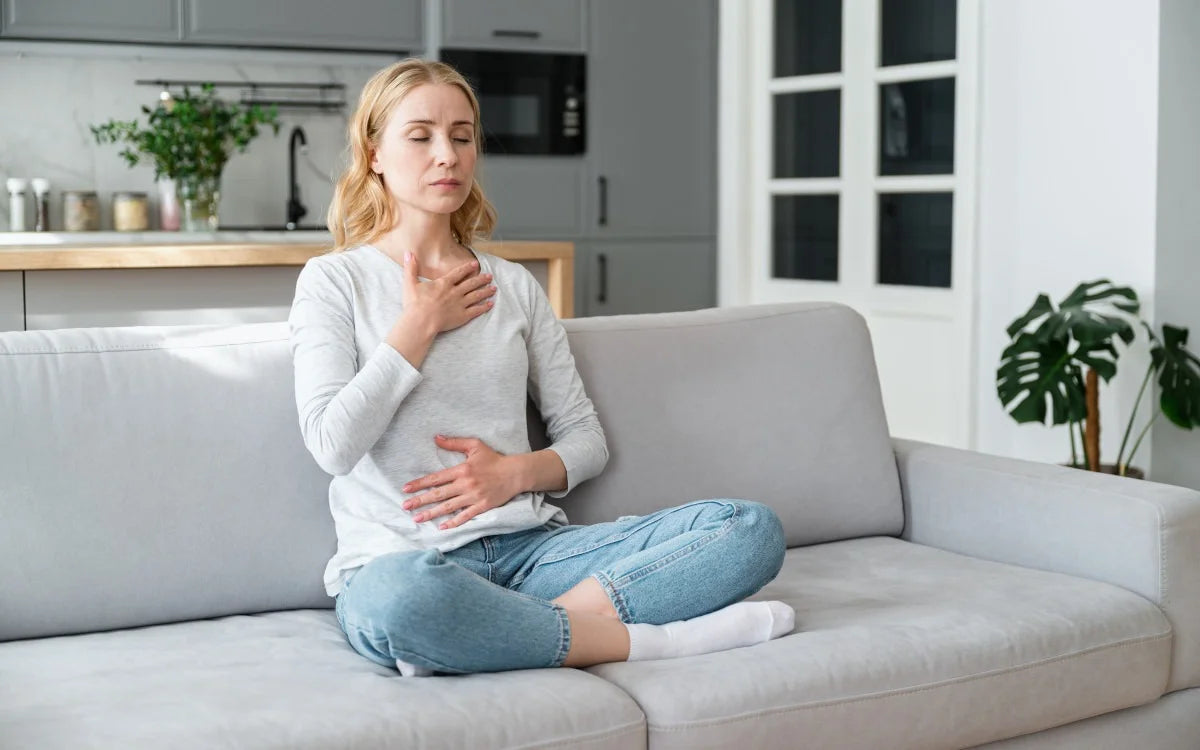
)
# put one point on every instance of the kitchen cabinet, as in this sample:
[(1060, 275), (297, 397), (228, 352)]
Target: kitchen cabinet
[(622, 277), (536, 197), (12, 301), (387, 25), (158, 296), (652, 146), (111, 20), (523, 25)]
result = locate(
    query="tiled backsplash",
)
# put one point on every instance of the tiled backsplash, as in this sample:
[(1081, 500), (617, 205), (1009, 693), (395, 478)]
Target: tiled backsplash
[(51, 92)]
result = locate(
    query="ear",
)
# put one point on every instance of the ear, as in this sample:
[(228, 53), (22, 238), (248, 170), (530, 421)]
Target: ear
[(376, 167)]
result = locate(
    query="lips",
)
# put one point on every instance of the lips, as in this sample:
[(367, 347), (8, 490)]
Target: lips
[(455, 183)]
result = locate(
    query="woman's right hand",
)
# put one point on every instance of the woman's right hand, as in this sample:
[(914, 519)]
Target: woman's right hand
[(450, 301)]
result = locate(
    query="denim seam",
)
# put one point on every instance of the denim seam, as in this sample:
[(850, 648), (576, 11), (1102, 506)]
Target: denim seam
[(646, 570), (618, 599), (564, 636), (407, 655)]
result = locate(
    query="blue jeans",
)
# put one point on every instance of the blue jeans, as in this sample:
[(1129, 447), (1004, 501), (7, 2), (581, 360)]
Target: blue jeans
[(484, 607)]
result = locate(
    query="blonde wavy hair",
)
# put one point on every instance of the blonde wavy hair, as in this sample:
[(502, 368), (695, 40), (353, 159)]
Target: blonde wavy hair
[(362, 209)]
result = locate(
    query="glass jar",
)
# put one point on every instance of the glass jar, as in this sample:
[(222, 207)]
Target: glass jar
[(81, 211), (131, 212), (200, 197)]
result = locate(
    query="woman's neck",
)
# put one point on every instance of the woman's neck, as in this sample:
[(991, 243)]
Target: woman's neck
[(428, 237)]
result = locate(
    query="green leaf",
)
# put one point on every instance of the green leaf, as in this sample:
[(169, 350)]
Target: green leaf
[(1033, 370), (1178, 377), (194, 138)]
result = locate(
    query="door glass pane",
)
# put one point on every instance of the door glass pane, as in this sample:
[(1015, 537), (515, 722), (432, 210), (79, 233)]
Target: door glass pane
[(915, 238), (808, 37), (916, 127), (916, 31), (805, 237), (807, 141)]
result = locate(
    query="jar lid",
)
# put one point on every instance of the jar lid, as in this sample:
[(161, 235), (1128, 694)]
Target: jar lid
[(40, 185), (127, 194), (16, 184)]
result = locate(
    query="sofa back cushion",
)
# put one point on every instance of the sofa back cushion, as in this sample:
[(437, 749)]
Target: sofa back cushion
[(156, 474), (776, 403)]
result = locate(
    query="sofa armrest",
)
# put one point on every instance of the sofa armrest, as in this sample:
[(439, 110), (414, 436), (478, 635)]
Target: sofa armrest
[(1140, 535)]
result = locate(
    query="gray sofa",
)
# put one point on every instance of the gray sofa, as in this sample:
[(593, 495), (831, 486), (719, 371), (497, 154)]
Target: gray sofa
[(163, 533)]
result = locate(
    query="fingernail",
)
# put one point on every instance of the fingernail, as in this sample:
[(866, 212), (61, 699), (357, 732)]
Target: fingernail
[(407, 255), (441, 436), (443, 526), (407, 506)]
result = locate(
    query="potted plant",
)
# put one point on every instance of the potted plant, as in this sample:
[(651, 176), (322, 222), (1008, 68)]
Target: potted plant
[(1066, 354), (189, 139)]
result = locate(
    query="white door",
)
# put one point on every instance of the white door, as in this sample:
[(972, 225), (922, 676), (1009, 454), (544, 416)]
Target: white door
[(857, 164)]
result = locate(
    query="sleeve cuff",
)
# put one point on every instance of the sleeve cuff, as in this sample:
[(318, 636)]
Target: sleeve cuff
[(567, 454)]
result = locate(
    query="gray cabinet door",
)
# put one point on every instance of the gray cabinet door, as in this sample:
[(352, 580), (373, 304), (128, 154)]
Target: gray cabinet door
[(616, 278), (535, 197), (651, 111), (390, 25), (111, 20), (523, 25)]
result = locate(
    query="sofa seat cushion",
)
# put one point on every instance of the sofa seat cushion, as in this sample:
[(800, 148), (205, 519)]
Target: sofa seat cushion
[(285, 680), (898, 645)]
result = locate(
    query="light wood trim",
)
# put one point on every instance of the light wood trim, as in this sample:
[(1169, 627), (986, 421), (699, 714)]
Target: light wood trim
[(559, 257)]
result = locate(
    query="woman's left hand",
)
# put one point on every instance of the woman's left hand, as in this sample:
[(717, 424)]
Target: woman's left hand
[(486, 480)]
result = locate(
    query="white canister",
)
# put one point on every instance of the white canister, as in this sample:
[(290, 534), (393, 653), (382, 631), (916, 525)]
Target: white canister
[(16, 203)]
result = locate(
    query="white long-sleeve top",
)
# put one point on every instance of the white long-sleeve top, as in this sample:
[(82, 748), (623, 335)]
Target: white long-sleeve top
[(369, 417)]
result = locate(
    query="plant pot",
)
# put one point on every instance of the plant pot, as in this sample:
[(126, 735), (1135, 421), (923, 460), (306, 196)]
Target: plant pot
[(200, 197), (1132, 472)]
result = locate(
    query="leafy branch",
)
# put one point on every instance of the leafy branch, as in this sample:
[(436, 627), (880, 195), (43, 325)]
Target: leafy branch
[(189, 136)]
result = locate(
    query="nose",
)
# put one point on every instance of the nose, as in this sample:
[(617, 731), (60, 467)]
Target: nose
[(444, 152)]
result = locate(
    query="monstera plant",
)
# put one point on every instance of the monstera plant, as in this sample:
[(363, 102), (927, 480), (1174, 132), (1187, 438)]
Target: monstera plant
[(1060, 355)]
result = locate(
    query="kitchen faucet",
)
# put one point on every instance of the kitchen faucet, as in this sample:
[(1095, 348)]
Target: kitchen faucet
[(295, 209)]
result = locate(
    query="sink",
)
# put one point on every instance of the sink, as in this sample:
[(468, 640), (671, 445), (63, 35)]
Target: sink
[(271, 228)]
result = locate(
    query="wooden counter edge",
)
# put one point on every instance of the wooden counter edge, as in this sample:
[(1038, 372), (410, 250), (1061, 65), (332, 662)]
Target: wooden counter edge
[(559, 257)]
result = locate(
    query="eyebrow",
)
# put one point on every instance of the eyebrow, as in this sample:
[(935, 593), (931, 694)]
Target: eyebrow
[(430, 122)]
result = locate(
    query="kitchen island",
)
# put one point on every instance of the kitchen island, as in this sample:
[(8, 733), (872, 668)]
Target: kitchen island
[(84, 279)]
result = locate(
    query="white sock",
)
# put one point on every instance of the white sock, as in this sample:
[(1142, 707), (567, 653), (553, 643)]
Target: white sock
[(741, 624), (412, 670)]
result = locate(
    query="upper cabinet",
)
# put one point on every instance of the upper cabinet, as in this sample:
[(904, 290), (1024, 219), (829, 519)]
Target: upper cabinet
[(368, 25), (386, 25), (112, 20), (652, 145), (552, 25)]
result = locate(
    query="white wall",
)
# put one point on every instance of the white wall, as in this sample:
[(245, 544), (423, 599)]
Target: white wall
[(1068, 149), (1178, 260)]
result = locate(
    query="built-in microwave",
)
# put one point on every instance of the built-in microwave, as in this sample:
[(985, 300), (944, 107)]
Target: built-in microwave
[(530, 102)]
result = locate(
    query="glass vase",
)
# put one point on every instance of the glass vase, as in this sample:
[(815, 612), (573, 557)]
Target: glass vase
[(200, 197)]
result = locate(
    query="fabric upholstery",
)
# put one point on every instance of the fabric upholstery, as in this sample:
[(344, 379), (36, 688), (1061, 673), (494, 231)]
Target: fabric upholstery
[(900, 646), (285, 680), (1170, 723), (1143, 536)]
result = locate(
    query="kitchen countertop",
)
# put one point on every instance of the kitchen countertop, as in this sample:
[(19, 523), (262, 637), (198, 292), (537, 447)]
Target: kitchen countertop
[(50, 251)]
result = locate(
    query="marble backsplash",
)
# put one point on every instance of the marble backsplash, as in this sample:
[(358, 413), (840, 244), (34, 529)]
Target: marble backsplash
[(51, 92)]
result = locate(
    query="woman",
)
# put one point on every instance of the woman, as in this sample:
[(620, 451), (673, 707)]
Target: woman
[(414, 355)]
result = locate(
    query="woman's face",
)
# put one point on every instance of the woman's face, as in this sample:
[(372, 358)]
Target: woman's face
[(426, 152)]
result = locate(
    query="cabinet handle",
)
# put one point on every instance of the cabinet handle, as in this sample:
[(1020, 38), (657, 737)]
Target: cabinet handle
[(603, 219), (603, 260), (518, 33)]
